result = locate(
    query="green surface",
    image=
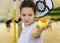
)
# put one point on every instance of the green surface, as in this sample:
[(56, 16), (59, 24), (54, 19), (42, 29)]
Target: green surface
[(55, 13)]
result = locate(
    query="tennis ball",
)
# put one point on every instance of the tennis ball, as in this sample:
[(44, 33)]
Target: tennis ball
[(42, 23)]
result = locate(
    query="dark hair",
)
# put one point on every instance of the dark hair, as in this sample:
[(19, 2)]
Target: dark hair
[(28, 3), (9, 21)]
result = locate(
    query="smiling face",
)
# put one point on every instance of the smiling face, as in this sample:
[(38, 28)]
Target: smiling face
[(27, 15)]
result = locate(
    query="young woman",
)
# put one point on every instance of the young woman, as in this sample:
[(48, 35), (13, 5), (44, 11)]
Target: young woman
[(30, 32)]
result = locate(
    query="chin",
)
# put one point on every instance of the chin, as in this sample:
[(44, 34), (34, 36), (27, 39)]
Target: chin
[(27, 24)]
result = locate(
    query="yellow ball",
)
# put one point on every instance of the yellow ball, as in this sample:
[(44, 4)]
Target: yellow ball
[(42, 23)]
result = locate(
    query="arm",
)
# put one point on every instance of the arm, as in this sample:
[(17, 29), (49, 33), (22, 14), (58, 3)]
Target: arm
[(19, 30), (36, 32)]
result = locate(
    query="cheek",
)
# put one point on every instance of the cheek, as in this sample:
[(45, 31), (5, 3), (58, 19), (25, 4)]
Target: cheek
[(32, 18), (22, 18)]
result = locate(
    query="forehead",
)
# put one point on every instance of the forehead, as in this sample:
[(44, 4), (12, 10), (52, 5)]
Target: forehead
[(27, 10)]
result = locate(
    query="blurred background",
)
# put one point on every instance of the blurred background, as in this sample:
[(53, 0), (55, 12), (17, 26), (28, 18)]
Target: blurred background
[(6, 13)]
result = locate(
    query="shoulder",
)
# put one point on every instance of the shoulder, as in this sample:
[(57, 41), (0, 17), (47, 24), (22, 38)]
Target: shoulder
[(36, 23)]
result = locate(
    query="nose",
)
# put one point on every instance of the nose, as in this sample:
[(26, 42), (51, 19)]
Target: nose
[(26, 18)]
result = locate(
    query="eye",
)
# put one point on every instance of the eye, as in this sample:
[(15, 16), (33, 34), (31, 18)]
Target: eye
[(30, 14), (23, 14)]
